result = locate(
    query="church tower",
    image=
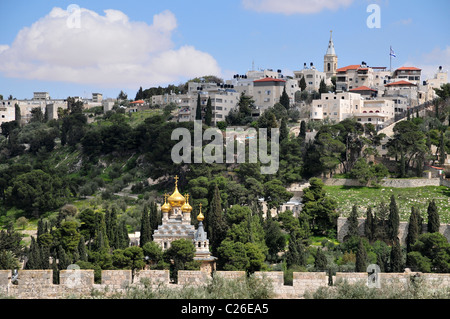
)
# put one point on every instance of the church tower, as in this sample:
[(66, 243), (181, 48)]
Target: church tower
[(330, 59)]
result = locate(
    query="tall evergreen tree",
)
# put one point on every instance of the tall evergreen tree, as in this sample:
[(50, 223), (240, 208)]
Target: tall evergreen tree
[(433, 217), (302, 133), (82, 249), (361, 258), (413, 229), (34, 256), (154, 217), (369, 225), (320, 263), (396, 257), (284, 99), (208, 113), (146, 233), (284, 130), (101, 239), (353, 222), (296, 254), (302, 83), (198, 110), (217, 227), (393, 220), (323, 87)]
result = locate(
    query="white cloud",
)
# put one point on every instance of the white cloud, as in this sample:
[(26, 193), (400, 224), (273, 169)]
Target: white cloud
[(294, 6), (107, 50)]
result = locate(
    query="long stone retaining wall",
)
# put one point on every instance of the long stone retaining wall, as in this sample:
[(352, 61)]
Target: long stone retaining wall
[(343, 224), (37, 284), (390, 182)]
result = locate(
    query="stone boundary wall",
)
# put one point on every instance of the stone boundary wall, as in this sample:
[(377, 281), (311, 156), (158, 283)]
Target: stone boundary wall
[(342, 229), (390, 182), (37, 284)]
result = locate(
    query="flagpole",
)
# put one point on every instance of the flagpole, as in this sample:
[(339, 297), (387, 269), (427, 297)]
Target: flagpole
[(390, 59)]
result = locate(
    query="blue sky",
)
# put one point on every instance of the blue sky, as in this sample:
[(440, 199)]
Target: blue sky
[(148, 43)]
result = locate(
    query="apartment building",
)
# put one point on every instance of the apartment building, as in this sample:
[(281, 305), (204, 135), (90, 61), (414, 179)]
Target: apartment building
[(312, 77), (336, 106), (7, 112), (407, 73), (222, 102), (376, 112)]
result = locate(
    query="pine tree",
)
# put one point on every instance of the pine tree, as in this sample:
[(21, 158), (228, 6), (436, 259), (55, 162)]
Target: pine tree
[(284, 99), (146, 233), (433, 217), (369, 225), (393, 220), (208, 114), (296, 252), (353, 222), (198, 110), (217, 227), (396, 257), (361, 258)]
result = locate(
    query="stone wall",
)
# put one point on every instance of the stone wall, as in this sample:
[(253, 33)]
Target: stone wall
[(342, 229), (37, 284), (390, 182)]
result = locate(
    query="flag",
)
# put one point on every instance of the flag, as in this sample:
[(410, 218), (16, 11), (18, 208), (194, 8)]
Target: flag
[(392, 53)]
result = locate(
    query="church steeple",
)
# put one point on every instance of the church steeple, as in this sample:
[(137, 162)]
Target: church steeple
[(330, 50), (330, 59)]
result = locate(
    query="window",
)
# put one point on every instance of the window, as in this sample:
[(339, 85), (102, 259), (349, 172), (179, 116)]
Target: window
[(328, 67)]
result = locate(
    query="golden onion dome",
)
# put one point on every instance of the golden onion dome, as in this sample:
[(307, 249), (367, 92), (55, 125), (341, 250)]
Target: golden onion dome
[(176, 199), (200, 216), (186, 208), (166, 207)]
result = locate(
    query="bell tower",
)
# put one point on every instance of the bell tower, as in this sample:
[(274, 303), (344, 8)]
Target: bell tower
[(330, 59)]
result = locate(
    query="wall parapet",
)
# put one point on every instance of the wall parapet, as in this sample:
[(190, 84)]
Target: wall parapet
[(37, 284)]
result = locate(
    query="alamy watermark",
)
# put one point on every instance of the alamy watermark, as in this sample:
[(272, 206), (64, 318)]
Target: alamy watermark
[(74, 19), (213, 152), (374, 19)]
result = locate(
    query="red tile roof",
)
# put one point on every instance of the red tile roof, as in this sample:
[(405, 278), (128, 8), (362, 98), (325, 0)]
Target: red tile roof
[(411, 68), (349, 67), (402, 82), (269, 80), (138, 102), (363, 88)]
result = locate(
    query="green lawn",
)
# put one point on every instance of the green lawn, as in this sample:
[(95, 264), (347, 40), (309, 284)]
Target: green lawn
[(364, 197)]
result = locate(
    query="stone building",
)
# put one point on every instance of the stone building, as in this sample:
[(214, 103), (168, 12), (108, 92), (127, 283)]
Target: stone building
[(176, 224)]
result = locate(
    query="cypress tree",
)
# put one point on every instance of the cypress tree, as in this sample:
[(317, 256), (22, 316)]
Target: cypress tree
[(353, 222), (320, 263), (153, 217), (198, 110), (123, 235), (284, 99), (433, 217), (302, 133), (82, 249), (369, 225), (302, 84), (393, 220), (208, 114), (361, 258), (413, 229), (284, 131), (396, 257), (34, 257), (101, 240), (217, 227), (296, 252), (146, 234)]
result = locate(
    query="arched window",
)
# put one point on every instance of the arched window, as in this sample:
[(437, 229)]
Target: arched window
[(328, 67)]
